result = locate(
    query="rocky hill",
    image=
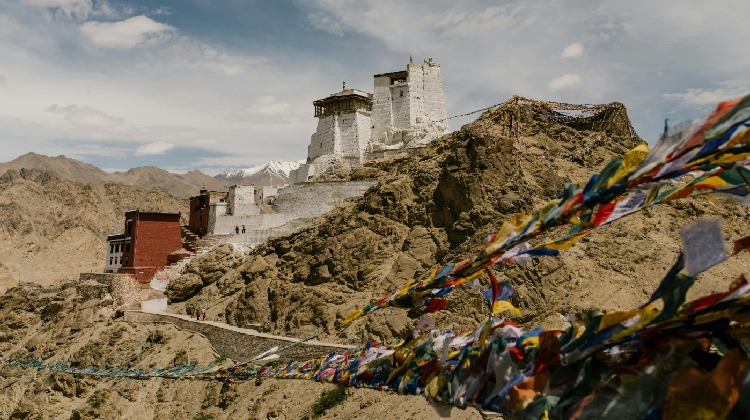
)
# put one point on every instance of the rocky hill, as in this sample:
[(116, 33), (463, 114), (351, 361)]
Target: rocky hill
[(52, 229), (438, 206), (428, 208), (147, 177), (182, 186), (64, 167)]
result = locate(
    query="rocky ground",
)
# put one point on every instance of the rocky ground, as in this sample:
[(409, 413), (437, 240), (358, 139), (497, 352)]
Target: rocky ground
[(430, 208)]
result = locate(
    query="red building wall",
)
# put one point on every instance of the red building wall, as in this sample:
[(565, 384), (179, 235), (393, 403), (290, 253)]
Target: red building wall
[(153, 237), (198, 219)]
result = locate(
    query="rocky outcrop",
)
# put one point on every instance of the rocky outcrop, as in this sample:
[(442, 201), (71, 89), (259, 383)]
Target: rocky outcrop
[(202, 271)]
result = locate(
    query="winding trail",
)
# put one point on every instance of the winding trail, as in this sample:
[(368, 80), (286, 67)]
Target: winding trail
[(237, 343)]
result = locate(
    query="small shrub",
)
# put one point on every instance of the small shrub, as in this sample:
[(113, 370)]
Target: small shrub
[(328, 400)]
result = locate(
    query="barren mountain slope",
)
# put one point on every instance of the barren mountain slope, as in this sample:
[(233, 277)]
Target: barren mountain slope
[(64, 167), (438, 206), (181, 186), (72, 329), (52, 228)]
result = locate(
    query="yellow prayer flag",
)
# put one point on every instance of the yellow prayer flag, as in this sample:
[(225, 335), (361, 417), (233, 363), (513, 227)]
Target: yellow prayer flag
[(631, 161), (501, 306), (352, 316)]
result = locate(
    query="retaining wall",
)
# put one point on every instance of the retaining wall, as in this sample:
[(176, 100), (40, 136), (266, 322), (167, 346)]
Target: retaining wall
[(237, 345)]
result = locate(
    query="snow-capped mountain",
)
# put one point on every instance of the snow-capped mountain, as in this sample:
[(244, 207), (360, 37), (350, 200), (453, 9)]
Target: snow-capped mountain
[(272, 173)]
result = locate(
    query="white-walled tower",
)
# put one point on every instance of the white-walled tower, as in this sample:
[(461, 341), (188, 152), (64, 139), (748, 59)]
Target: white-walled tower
[(342, 134), (408, 107)]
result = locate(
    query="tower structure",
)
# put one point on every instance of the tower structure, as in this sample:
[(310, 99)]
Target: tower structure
[(342, 134), (407, 110), (408, 107)]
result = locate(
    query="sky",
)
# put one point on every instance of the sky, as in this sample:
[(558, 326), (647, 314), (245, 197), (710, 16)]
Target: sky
[(226, 84)]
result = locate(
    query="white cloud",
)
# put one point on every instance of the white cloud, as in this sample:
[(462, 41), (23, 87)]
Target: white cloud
[(127, 33), (266, 108), (187, 52), (269, 106), (205, 141), (83, 116), (564, 81), (326, 22), (698, 96), (701, 97), (573, 50), (155, 148), (3, 81)]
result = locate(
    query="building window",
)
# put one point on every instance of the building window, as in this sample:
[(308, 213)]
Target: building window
[(127, 247), (111, 249), (110, 260), (402, 94)]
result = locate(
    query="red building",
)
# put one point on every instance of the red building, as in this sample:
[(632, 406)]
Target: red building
[(200, 207), (144, 247)]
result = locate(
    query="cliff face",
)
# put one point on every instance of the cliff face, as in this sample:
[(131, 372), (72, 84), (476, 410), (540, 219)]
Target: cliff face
[(438, 205)]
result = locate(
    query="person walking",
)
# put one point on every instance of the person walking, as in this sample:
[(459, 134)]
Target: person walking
[(204, 314), (237, 230), (243, 228), (198, 314)]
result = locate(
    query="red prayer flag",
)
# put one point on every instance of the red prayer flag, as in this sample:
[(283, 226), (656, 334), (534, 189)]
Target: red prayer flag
[(436, 304), (605, 210)]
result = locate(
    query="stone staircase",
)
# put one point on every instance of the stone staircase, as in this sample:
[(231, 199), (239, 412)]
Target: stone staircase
[(189, 239), (196, 246), (162, 277)]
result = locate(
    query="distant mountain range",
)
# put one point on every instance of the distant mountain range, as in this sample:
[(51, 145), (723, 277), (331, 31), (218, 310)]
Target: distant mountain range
[(272, 173), (179, 185)]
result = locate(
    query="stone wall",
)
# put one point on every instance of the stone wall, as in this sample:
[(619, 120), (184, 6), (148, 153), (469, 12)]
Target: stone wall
[(266, 194), (217, 211), (293, 208), (240, 346), (354, 130), (382, 113), (324, 140), (401, 105), (242, 200), (302, 174), (411, 112), (427, 99), (315, 198), (123, 288)]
